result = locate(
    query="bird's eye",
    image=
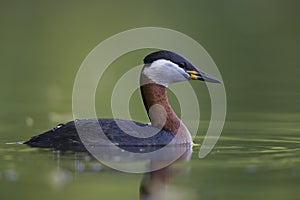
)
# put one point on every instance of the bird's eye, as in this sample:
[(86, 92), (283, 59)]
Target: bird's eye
[(183, 65)]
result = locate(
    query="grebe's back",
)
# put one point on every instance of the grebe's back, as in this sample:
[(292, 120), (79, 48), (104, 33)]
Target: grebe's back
[(65, 136)]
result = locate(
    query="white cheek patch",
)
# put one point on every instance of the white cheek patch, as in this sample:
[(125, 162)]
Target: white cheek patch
[(164, 72)]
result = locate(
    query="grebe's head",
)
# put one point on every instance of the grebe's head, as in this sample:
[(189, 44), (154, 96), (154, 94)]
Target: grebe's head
[(166, 67)]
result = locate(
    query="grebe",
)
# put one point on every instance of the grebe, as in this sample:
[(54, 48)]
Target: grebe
[(160, 69)]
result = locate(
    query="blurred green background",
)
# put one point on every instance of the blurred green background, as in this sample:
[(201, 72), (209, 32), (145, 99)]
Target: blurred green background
[(255, 44)]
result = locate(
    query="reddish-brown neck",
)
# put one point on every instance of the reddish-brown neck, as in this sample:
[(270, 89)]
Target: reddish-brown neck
[(158, 108)]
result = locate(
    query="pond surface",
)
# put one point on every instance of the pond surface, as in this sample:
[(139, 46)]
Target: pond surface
[(249, 167)]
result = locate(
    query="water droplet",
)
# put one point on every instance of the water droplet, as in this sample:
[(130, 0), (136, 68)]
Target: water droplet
[(11, 175), (87, 158), (79, 167), (251, 168), (29, 121), (57, 127), (58, 178), (97, 167)]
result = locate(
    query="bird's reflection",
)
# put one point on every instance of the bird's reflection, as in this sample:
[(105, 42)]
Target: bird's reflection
[(153, 184)]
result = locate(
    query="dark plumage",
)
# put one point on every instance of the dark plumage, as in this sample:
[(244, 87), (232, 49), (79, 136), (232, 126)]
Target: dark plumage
[(65, 136), (171, 56)]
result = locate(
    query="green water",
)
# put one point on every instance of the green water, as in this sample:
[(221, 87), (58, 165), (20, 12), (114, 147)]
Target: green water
[(255, 45)]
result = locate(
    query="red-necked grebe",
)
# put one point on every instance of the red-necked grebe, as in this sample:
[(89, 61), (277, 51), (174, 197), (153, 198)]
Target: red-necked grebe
[(161, 69)]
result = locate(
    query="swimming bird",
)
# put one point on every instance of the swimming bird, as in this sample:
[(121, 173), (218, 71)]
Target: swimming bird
[(161, 68)]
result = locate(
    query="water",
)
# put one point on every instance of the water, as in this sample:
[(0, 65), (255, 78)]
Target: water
[(255, 45), (252, 167), (252, 160)]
